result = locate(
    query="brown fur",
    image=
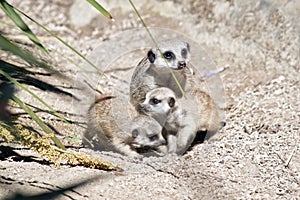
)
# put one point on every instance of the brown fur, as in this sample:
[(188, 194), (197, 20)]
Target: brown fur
[(115, 119), (190, 114), (148, 76)]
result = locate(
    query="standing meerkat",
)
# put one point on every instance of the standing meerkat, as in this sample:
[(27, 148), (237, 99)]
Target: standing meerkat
[(117, 123), (153, 72), (182, 118)]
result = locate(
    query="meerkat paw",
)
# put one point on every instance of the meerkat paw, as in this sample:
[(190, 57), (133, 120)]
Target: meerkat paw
[(172, 143), (134, 154), (126, 150), (184, 141), (163, 149)]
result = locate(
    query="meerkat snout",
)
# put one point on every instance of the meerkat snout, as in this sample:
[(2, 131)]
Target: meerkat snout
[(181, 64), (174, 54)]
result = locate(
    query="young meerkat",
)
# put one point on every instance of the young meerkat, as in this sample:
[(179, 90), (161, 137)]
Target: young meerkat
[(117, 122), (153, 72), (182, 118)]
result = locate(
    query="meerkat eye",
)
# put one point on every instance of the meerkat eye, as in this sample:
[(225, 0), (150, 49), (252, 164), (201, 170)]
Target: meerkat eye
[(154, 101), (153, 137), (171, 102), (169, 55)]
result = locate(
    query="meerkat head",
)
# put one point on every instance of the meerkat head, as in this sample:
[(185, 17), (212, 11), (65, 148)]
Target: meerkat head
[(158, 103), (146, 132), (175, 52)]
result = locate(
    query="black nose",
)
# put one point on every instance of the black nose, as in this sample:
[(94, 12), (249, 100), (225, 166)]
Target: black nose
[(181, 64)]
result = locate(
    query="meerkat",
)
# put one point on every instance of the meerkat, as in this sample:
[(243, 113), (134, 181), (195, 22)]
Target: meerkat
[(181, 118), (153, 72), (118, 123)]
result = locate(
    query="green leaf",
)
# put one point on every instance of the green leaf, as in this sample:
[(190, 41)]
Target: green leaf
[(14, 81), (38, 121), (6, 45), (61, 40), (100, 9), (11, 13)]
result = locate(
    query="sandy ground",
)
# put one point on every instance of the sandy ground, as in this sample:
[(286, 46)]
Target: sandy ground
[(257, 155)]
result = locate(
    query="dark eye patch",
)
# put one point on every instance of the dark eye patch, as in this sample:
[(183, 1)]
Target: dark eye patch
[(153, 137), (169, 55), (171, 102), (154, 101)]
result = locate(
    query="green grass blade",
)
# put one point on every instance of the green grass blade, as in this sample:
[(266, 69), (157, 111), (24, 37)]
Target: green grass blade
[(48, 49), (6, 45), (154, 41), (38, 121), (9, 68), (14, 81), (100, 9), (11, 13), (61, 40), (4, 124)]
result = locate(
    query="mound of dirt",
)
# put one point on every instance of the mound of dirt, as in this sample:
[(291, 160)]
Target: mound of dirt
[(257, 155)]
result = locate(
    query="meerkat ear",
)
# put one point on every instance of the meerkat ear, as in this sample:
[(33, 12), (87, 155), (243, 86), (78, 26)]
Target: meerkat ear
[(188, 46), (151, 56), (222, 124), (135, 133), (171, 102)]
